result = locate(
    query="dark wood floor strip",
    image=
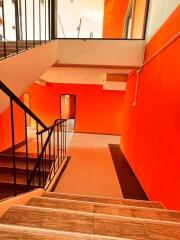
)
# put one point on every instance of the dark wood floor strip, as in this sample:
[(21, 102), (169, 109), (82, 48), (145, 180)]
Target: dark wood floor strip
[(130, 186)]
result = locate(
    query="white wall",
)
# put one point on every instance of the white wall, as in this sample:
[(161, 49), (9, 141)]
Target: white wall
[(20, 71), (159, 11), (90, 11), (9, 11), (102, 52)]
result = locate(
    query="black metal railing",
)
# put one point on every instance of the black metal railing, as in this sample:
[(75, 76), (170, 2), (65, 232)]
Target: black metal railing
[(28, 27), (52, 154), (40, 163)]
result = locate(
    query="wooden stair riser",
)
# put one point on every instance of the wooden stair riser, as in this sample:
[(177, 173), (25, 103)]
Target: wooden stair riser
[(120, 201), (91, 223), (17, 233), (108, 209), (19, 171)]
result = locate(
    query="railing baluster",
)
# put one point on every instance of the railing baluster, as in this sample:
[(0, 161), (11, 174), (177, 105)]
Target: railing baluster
[(41, 162), (38, 152), (50, 156), (13, 146), (54, 146), (51, 145), (65, 137), (61, 141), (42, 169), (26, 24), (34, 24), (40, 21), (17, 25), (26, 140), (45, 165), (49, 18), (58, 143), (4, 30), (20, 21), (45, 19)]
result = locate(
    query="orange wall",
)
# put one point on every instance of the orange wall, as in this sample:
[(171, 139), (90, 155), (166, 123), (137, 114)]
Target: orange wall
[(114, 16), (98, 111), (5, 127), (151, 130)]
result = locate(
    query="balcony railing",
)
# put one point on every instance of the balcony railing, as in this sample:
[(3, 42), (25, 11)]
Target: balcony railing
[(24, 24)]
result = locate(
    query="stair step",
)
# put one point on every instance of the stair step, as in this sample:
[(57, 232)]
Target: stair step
[(9, 178), (7, 161), (21, 156), (16, 233), (107, 200), (108, 209), (91, 223), (7, 190), (19, 171)]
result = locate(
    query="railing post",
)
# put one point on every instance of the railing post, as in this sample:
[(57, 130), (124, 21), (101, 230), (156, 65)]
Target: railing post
[(26, 140), (53, 19), (13, 146)]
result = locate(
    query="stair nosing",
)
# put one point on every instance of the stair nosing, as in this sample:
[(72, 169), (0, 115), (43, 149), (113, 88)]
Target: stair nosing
[(97, 215), (102, 197), (50, 232), (107, 204)]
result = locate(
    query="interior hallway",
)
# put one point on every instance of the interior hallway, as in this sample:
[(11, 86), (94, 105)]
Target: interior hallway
[(90, 170)]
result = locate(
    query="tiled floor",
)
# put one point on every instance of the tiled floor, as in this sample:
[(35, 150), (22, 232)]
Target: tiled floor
[(90, 170)]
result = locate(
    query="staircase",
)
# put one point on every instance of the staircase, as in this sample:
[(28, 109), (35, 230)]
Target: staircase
[(70, 217), (6, 173), (34, 161)]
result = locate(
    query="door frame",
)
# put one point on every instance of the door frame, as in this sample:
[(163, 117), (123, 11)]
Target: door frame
[(75, 104)]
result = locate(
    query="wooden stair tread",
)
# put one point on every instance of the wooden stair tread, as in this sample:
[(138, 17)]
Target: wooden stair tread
[(22, 156), (8, 178), (19, 158), (91, 223), (108, 209), (119, 201), (19, 232)]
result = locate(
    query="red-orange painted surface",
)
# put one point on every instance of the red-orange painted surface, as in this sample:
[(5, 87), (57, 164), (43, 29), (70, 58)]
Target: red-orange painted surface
[(114, 17), (151, 130), (5, 127), (97, 111)]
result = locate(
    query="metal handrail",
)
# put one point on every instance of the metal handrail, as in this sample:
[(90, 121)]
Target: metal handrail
[(8, 92), (39, 163)]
